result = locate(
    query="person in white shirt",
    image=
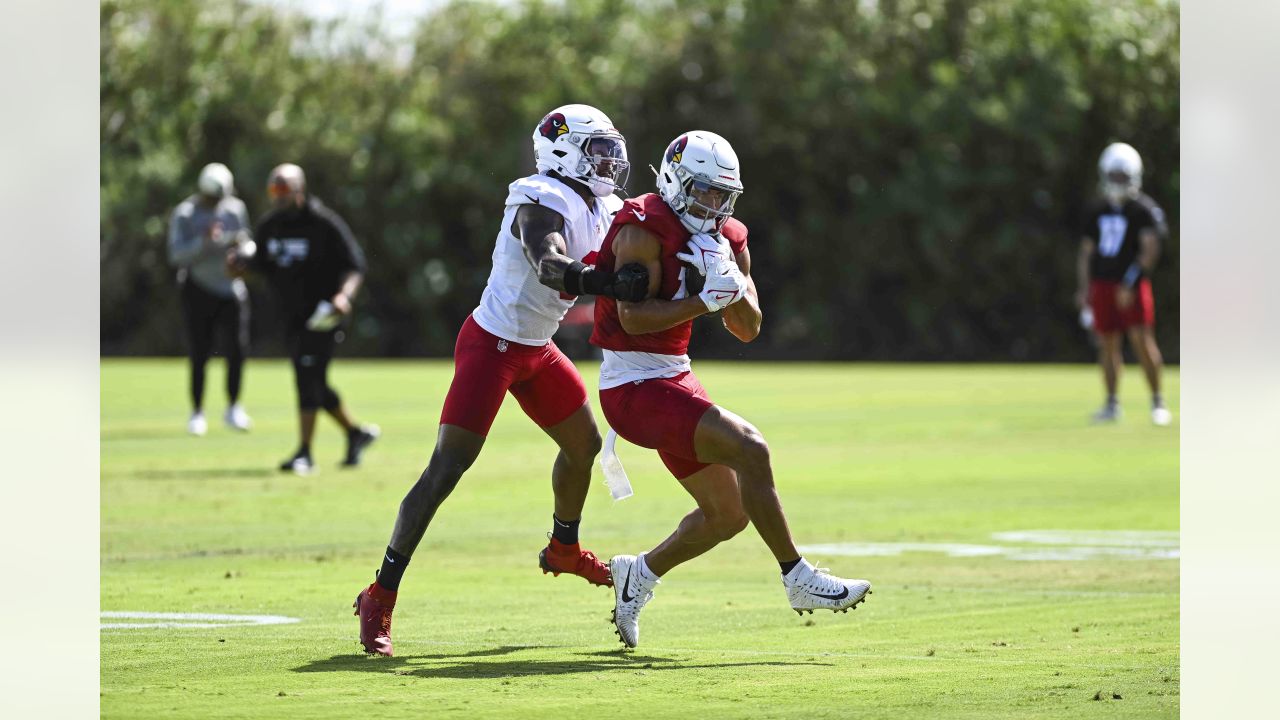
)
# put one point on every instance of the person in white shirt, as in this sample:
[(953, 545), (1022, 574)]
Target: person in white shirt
[(551, 231)]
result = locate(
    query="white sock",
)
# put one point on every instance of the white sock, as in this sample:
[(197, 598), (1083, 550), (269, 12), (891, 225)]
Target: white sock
[(646, 575)]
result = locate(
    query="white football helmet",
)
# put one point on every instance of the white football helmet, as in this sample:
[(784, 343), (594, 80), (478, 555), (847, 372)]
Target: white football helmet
[(580, 143), (215, 181), (1120, 173), (700, 181)]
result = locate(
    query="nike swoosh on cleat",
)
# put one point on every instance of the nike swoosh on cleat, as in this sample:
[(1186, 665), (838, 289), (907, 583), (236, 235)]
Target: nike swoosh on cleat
[(626, 583), (844, 593)]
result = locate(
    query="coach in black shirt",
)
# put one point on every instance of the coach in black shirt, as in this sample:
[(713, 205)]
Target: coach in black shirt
[(308, 254)]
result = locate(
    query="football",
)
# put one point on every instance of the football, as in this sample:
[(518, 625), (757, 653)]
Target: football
[(693, 280)]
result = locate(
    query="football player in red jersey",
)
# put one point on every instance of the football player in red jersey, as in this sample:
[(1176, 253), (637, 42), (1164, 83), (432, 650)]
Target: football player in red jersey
[(651, 397), (1118, 252)]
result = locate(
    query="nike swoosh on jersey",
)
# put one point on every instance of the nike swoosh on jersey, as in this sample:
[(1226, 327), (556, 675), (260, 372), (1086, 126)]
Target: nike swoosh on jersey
[(844, 593), (639, 214), (626, 583), (532, 199)]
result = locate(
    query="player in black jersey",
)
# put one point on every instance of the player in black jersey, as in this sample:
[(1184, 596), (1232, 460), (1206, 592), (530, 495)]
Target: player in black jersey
[(1121, 242), (312, 260)]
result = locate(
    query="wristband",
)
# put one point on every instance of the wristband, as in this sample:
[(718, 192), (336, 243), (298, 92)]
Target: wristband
[(1132, 275)]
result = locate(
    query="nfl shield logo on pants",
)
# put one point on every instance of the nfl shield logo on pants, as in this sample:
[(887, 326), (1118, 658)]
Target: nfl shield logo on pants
[(502, 346)]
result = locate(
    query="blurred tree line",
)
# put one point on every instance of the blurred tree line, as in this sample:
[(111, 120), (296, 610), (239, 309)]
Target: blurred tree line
[(915, 169)]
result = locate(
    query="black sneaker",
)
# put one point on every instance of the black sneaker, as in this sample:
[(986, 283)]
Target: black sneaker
[(357, 440), (299, 464)]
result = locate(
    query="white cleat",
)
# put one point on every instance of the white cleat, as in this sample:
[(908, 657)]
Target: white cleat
[(811, 588), (1161, 416), (237, 419), (630, 594), (1108, 414), (197, 425)]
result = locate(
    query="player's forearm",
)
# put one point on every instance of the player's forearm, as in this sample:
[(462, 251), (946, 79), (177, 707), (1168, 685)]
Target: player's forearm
[(654, 315), (551, 266), (351, 285), (1082, 271), (743, 318), (1148, 257), (547, 256)]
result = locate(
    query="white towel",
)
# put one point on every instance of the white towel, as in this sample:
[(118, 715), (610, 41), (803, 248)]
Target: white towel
[(614, 476)]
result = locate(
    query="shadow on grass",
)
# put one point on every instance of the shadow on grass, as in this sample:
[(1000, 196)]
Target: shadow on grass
[(456, 667), (207, 473)]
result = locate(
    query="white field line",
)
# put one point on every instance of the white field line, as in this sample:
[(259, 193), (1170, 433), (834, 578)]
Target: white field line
[(1046, 545), (188, 620)]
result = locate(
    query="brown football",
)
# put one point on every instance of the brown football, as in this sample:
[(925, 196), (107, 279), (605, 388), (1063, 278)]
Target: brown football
[(693, 280)]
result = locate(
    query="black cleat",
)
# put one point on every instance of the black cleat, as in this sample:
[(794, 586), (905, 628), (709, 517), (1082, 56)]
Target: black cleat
[(358, 440), (299, 464)]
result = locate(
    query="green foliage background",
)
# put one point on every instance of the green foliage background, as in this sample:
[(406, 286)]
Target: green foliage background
[(915, 169)]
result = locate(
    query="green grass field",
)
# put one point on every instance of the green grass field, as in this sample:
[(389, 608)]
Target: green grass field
[(962, 623)]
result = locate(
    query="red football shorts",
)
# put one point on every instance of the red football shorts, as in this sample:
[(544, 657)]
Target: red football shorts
[(1109, 318), (485, 367), (661, 415)]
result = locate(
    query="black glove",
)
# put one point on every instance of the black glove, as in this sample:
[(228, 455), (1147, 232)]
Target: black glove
[(630, 283)]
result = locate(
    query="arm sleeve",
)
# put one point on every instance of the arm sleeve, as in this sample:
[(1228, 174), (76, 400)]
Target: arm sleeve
[(184, 247), (347, 245), (1155, 219)]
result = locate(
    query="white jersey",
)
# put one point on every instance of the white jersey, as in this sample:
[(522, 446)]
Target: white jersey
[(515, 306)]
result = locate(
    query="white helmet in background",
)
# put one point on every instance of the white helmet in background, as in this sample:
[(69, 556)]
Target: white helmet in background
[(580, 143), (700, 181), (215, 181), (1120, 173)]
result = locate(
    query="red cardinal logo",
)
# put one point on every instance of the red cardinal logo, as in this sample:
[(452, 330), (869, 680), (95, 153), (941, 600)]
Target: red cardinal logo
[(553, 126), (676, 150)]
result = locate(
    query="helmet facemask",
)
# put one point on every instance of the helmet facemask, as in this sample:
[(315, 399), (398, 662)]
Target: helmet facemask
[(708, 205), (1118, 186), (604, 167), (702, 204)]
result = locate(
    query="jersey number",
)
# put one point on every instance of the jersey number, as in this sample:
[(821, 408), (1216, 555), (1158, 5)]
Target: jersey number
[(1111, 229)]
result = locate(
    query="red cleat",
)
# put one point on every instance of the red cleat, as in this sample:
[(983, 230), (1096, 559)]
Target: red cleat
[(374, 605), (558, 558)]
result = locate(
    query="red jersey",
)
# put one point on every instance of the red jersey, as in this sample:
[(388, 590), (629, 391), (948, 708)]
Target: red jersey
[(652, 213)]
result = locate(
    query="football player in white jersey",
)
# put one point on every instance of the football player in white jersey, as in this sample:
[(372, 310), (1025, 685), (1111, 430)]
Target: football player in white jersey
[(551, 231)]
